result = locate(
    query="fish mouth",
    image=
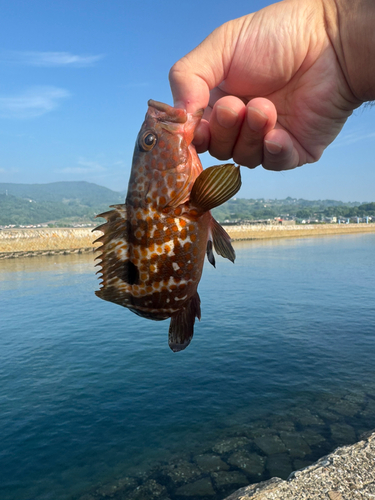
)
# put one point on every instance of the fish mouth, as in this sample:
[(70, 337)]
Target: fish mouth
[(164, 112)]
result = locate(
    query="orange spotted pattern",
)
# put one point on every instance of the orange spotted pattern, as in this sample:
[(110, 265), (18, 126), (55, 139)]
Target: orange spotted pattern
[(154, 246)]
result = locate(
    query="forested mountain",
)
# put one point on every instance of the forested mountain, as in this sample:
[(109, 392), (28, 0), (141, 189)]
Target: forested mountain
[(61, 203), (83, 193), (68, 203)]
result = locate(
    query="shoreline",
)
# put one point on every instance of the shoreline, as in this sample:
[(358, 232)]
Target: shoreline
[(16, 243), (347, 472)]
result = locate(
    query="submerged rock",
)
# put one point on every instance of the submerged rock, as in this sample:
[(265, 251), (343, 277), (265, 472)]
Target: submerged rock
[(181, 472), (346, 407), (279, 465), (230, 444), (301, 464), (295, 444), (231, 479), (342, 433), (271, 444), (305, 417), (347, 473), (122, 484), (150, 490), (312, 437), (201, 488), (328, 415), (210, 463), (251, 463)]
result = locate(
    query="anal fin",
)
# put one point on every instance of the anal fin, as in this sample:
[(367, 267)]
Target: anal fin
[(181, 329), (221, 241)]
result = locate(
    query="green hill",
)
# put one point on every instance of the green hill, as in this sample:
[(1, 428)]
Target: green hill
[(68, 203), (63, 203), (83, 193)]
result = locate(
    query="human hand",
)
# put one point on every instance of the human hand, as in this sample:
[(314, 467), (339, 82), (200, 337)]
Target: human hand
[(272, 87)]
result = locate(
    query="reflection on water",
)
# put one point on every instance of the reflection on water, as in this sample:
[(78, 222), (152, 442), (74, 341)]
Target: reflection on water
[(279, 372), (73, 263)]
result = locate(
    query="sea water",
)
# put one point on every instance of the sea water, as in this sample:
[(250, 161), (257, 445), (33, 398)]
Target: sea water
[(90, 392)]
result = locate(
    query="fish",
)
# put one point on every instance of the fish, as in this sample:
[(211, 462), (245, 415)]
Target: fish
[(154, 245)]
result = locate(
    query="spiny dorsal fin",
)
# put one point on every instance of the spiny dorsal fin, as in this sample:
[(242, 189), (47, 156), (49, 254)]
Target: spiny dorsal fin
[(214, 186), (181, 329), (221, 241), (114, 248)]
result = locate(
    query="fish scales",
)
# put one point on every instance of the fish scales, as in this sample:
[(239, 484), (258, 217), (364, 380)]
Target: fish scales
[(153, 246)]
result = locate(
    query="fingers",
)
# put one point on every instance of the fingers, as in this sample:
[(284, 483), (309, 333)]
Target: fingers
[(237, 131), (192, 77), (260, 118), (190, 90), (225, 125), (280, 153)]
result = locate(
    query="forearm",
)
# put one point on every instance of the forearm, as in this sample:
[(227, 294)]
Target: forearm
[(351, 28)]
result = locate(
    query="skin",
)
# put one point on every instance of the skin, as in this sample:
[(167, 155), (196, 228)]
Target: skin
[(278, 85)]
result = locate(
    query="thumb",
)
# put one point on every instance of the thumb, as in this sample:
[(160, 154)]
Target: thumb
[(201, 70)]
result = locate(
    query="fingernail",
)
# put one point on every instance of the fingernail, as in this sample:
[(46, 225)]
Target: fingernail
[(273, 147), (256, 119), (226, 117)]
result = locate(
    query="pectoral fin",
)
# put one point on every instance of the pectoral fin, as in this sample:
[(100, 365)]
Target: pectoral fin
[(214, 186), (181, 329), (221, 241)]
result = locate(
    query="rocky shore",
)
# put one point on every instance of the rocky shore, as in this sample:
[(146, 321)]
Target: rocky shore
[(346, 474), (263, 454)]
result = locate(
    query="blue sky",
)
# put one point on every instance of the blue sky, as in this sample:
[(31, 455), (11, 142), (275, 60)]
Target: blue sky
[(76, 77)]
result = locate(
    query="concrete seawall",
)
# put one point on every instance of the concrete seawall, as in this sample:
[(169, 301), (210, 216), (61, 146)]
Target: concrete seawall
[(262, 231), (48, 241)]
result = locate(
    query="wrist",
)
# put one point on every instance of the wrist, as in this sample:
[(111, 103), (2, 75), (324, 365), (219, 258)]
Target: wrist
[(350, 25)]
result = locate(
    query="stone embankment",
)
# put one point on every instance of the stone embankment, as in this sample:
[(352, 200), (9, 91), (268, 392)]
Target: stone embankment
[(346, 474), (46, 241), (31, 242), (263, 231)]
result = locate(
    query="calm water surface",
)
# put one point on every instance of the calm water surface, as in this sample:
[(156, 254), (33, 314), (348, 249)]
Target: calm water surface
[(89, 390)]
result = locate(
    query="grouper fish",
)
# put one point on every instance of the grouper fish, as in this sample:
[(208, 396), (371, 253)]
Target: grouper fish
[(154, 245)]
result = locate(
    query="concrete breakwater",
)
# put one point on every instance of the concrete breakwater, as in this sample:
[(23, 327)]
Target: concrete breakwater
[(49, 241), (263, 231), (46, 241)]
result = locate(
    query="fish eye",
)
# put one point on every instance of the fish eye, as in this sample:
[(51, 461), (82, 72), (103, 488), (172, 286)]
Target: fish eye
[(147, 141)]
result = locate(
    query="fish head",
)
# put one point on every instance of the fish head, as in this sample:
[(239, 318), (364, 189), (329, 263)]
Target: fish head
[(165, 163)]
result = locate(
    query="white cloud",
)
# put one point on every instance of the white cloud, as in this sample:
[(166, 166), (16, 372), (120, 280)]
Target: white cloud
[(11, 170), (32, 103), (49, 59), (351, 138), (85, 167)]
